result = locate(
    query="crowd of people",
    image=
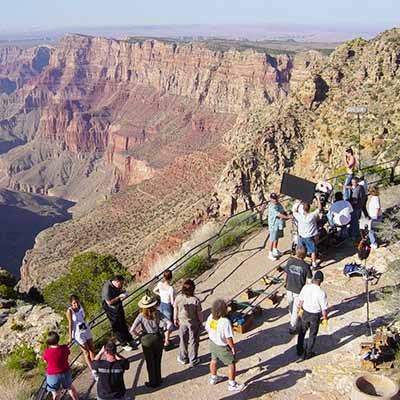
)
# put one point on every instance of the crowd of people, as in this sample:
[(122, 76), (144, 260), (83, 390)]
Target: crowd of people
[(163, 311), (159, 315)]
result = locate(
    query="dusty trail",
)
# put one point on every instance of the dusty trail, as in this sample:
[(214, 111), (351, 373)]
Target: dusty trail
[(268, 363)]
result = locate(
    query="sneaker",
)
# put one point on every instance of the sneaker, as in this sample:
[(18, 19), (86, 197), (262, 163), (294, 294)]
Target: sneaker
[(374, 246), (195, 362), (271, 256), (276, 253), (180, 361), (127, 347), (235, 387), (292, 331), (215, 379)]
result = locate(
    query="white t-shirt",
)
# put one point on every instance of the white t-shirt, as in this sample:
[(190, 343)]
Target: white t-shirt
[(219, 330), (307, 223), (373, 205), (341, 212), (314, 298), (166, 292)]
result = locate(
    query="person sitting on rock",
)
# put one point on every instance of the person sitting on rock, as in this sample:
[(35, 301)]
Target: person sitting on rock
[(222, 348), (58, 372), (78, 329)]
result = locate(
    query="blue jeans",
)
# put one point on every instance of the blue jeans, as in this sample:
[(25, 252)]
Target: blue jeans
[(59, 381), (166, 311), (371, 233), (308, 244), (347, 182), (355, 223)]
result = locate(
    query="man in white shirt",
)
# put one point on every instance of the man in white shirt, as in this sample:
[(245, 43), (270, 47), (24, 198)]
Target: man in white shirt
[(307, 228), (339, 213), (313, 304)]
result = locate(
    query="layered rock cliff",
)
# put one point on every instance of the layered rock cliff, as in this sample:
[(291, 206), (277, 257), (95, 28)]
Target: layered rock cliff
[(91, 116), (307, 132), (172, 119)]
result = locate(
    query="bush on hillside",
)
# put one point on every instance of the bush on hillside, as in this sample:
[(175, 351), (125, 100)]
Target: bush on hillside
[(7, 283), (23, 358), (7, 292), (85, 278), (192, 269)]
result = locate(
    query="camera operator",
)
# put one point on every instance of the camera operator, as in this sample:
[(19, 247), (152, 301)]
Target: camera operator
[(339, 213)]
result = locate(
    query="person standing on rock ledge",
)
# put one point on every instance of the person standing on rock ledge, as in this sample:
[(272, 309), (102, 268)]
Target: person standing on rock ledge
[(112, 296), (350, 164)]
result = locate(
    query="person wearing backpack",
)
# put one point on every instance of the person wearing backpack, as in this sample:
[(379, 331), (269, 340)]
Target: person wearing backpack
[(222, 347)]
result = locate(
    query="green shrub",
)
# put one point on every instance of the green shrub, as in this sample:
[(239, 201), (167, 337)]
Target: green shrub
[(17, 327), (23, 358), (7, 292), (194, 267), (7, 278), (85, 278), (224, 242)]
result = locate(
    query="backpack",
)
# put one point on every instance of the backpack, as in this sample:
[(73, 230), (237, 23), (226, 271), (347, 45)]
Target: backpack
[(352, 269)]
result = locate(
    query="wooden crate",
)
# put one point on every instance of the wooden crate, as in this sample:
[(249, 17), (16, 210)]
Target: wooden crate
[(246, 326)]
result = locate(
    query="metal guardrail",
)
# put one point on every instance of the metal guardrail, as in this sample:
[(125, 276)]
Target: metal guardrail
[(207, 247)]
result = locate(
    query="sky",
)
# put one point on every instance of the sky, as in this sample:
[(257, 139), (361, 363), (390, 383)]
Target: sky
[(26, 14)]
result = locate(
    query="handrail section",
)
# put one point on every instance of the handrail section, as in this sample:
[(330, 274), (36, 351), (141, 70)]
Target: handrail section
[(207, 245)]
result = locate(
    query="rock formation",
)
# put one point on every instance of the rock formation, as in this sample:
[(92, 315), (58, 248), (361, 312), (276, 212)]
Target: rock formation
[(163, 122)]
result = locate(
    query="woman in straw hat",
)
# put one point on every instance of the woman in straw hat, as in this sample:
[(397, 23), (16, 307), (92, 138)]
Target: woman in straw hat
[(148, 321)]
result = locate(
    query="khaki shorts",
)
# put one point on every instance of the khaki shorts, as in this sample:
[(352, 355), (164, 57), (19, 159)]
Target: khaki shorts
[(222, 353)]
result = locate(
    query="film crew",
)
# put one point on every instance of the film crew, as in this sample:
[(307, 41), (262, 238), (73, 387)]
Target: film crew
[(339, 214), (297, 273), (375, 213), (307, 227), (276, 225), (357, 200), (350, 164), (112, 296), (313, 304)]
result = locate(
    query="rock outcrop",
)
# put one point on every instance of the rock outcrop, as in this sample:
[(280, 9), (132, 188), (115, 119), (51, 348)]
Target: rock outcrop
[(307, 132)]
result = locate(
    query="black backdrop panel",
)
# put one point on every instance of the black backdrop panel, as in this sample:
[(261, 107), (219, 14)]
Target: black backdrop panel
[(298, 188)]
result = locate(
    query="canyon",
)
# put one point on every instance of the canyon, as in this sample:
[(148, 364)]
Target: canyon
[(139, 133)]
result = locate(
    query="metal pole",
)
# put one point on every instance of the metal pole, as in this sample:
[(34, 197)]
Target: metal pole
[(359, 140)]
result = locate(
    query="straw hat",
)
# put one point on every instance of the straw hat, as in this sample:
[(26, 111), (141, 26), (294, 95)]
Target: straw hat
[(147, 302)]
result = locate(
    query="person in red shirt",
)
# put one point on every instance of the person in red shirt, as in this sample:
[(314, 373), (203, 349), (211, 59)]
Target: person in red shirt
[(58, 373)]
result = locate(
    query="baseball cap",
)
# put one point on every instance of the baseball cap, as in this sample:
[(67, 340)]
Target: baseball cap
[(274, 196), (319, 276)]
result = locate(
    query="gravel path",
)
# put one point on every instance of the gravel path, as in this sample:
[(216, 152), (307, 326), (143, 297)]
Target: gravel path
[(268, 363)]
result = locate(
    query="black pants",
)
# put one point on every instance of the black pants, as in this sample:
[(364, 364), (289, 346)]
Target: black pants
[(152, 345), (118, 324), (308, 321)]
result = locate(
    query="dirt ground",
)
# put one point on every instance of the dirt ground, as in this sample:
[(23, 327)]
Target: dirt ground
[(268, 363)]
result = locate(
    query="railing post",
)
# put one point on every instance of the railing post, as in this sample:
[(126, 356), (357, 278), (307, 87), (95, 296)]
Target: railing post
[(209, 252), (392, 170)]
